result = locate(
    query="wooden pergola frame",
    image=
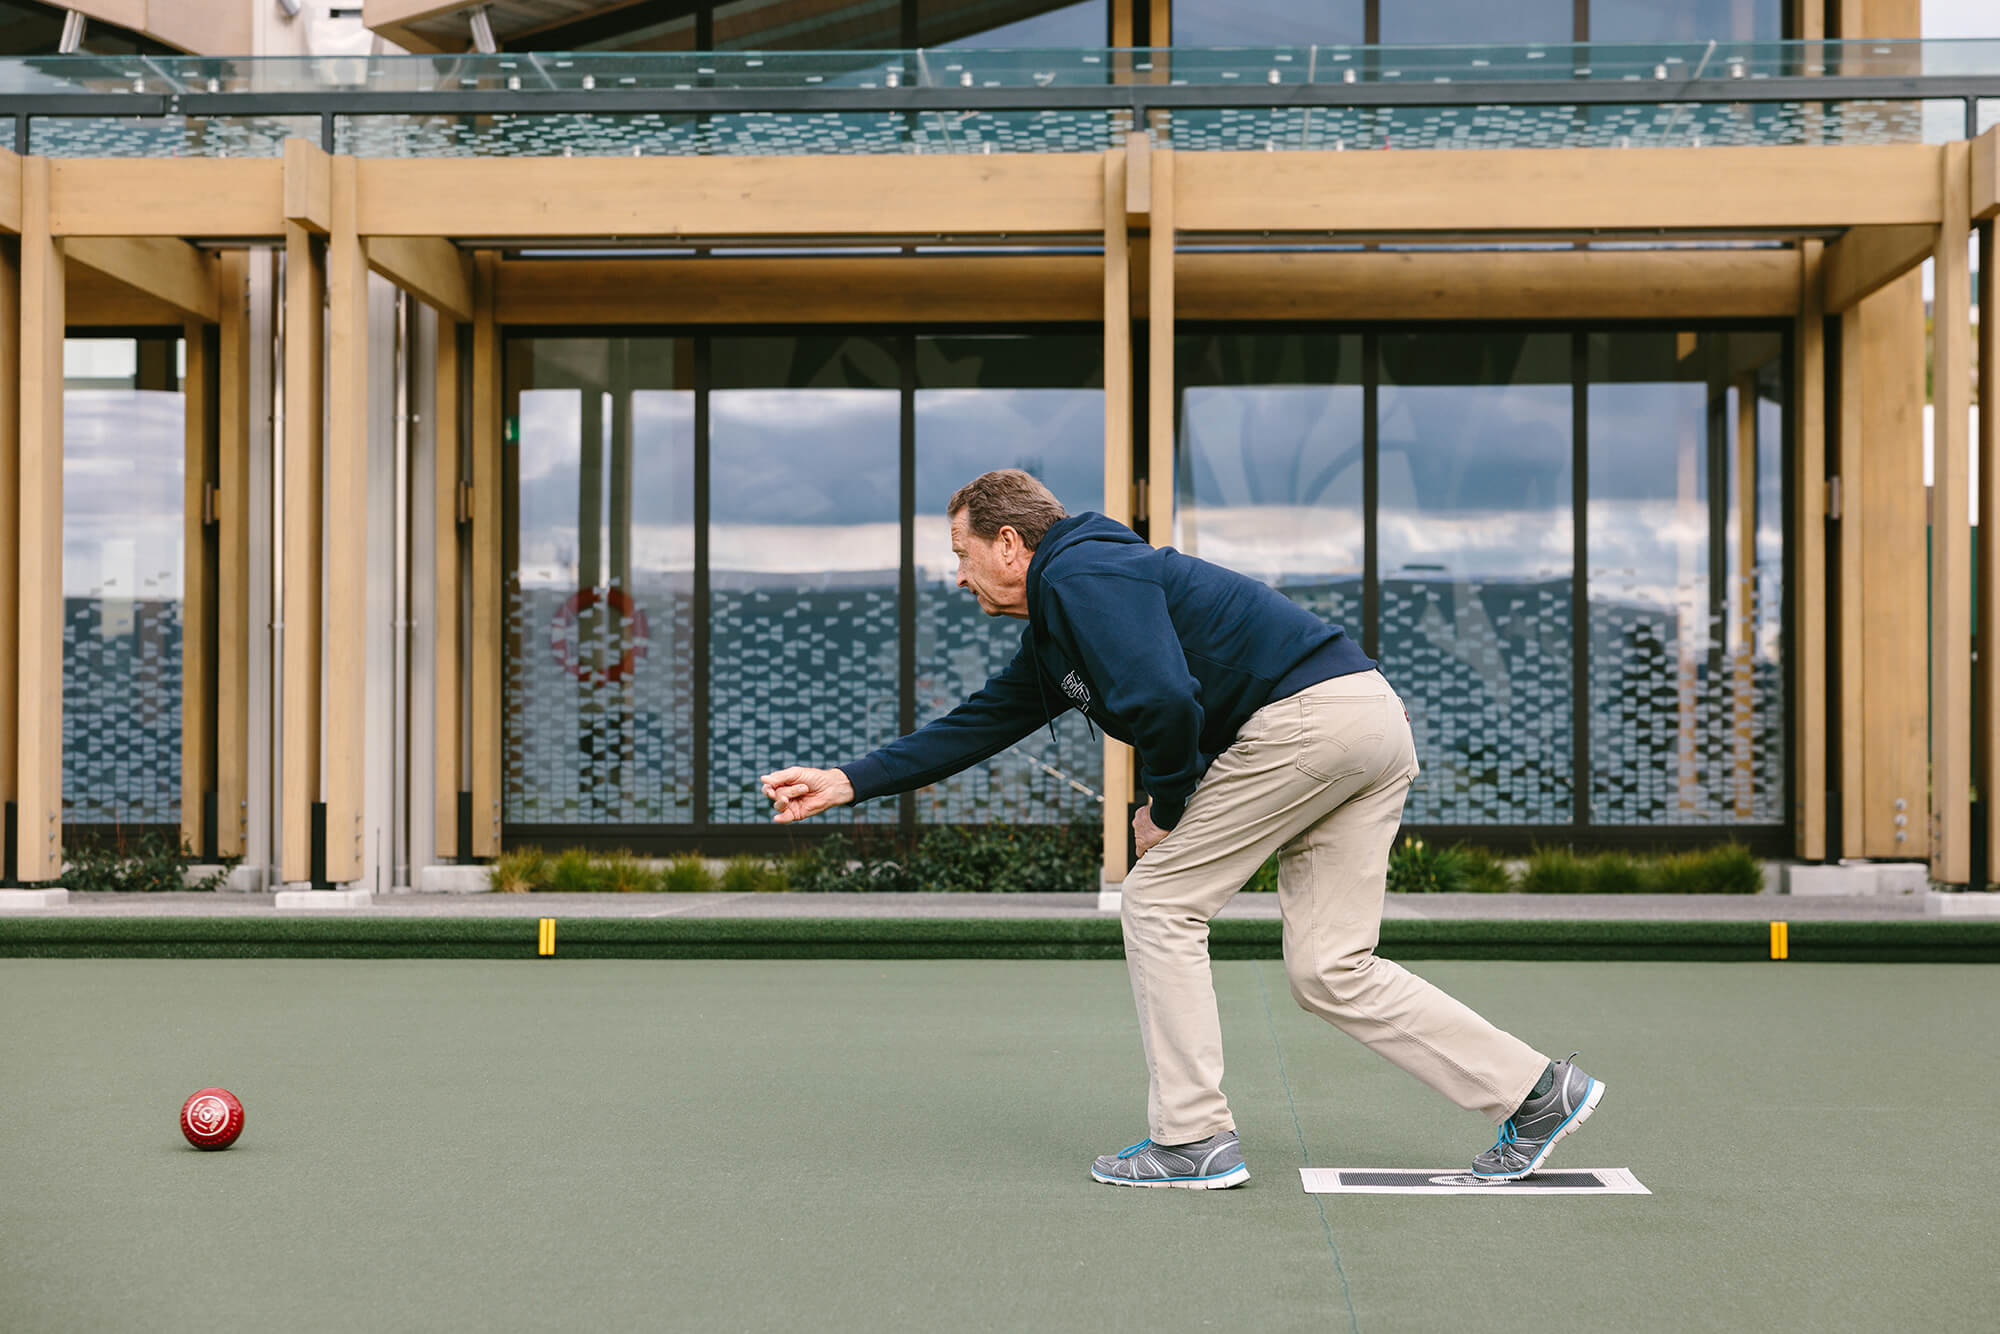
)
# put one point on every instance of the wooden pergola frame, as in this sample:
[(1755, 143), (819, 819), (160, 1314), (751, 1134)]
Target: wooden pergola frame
[(124, 241)]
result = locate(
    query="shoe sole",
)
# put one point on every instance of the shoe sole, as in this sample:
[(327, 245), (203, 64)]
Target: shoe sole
[(1576, 1118), (1235, 1176)]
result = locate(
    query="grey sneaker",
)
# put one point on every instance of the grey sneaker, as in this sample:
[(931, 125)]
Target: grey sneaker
[(1215, 1163), (1527, 1136)]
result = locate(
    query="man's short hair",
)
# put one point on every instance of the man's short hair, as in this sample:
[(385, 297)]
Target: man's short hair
[(1007, 497)]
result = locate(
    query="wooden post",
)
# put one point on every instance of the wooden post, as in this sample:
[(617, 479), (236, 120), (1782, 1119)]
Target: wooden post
[(1160, 354), (1117, 466), (232, 537), (1853, 661), (449, 679), (486, 646), (299, 787), (10, 500), (1951, 534), (1809, 537), (39, 533), (1987, 714), (346, 531)]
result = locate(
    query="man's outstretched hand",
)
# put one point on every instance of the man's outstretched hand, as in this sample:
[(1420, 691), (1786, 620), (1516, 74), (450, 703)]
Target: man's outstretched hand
[(797, 793)]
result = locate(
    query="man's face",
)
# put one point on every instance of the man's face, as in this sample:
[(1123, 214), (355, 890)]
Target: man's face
[(994, 569)]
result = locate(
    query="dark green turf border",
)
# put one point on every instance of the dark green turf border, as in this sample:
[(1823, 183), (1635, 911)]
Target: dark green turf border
[(956, 938)]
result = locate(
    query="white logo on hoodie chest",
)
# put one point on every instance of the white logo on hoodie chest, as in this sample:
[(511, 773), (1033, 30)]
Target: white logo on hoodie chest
[(1078, 692)]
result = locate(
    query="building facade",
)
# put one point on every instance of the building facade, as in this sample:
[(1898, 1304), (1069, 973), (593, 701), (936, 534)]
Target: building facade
[(418, 454)]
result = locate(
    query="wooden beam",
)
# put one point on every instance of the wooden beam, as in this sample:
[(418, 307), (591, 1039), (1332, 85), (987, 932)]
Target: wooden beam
[(1951, 534), (1809, 529), (487, 647), (375, 13), (232, 538), (1850, 424), (218, 198), (1559, 190), (1986, 175), (198, 416), (10, 193), (93, 299), (428, 268), (449, 676), (1473, 285), (840, 290), (304, 493), (1868, 259), (1986, 704), (1160, 314), (346, 532), (873, 195), (1138, 179), (172, 272), (38, 527), (1118, 783), (308, 186), (1887, 505)]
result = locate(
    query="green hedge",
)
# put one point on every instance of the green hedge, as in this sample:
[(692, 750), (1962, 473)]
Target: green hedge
[(1024, 859)]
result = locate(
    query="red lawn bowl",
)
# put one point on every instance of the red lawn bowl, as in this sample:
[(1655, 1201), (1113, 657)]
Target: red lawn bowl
[(212, 1119)]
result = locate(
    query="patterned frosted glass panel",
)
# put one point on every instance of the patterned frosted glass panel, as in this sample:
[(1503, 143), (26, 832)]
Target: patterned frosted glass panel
[(1268, 473), (169, 136), (1686, 579), (123, 464), (1035, 403), (599, 698), (1470, 22), (1686, 20), (1014, 24), (1476, 551), (805, 539), (1229, 23)]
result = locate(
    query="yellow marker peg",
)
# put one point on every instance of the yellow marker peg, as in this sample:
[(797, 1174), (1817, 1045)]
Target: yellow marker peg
[(547, 944), (1781, 947)]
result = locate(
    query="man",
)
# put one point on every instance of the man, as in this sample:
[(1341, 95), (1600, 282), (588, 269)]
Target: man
[(1259, 729)]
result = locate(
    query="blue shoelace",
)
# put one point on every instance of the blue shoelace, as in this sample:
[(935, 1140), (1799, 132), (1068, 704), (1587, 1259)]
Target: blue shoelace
[(1142, 1144), (1506, 1136)]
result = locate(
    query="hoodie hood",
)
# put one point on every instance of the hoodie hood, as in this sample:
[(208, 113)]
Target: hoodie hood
[(1073, 531), (1076, 530)]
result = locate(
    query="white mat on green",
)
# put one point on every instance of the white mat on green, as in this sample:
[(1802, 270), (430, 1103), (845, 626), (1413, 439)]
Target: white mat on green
[(1444, 1181)]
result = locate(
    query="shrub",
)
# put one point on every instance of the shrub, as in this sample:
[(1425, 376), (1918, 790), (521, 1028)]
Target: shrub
[(154, 862), (686, 874), (745, 874), (1008, 859), (1265, 879), (1729, 869), (573, 872), (1618, 873), (520, 870), (622, 873), (1417, 867), (1554, 871)]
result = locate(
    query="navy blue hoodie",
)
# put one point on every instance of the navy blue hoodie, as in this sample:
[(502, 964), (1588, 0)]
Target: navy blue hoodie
[(1165, 652)]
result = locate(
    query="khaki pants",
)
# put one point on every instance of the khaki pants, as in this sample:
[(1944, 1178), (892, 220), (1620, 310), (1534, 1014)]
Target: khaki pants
[(1319, 778)]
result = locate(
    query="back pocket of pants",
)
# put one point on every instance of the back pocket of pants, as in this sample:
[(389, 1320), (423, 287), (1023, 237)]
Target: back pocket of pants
[(1339, 738)]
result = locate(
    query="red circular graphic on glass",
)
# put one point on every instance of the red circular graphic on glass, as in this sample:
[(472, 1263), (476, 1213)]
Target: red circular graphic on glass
[(565, 640), (212, 1119)]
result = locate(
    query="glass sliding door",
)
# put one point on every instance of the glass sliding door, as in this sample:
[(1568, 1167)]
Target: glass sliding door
[(805, 556), (985, 402), (599, 680), (124, 458), (1476, 532), (1687, 720)]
